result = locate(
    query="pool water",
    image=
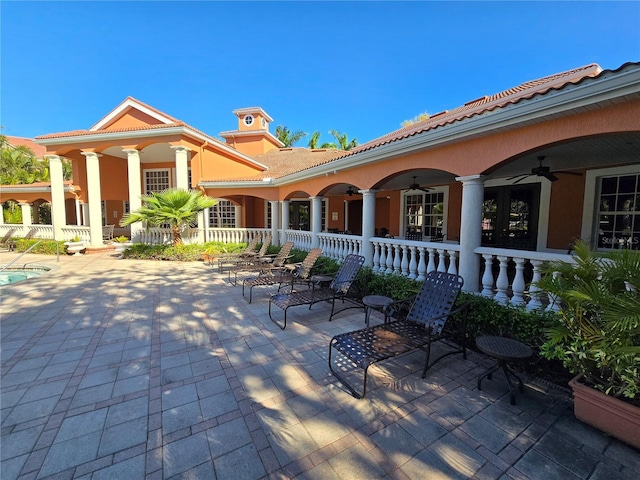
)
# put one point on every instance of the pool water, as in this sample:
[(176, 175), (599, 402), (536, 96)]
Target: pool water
[(19, 274)]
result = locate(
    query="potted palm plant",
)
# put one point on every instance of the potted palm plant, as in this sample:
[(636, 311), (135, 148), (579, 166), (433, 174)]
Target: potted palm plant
[(121, 243), (597, 336)]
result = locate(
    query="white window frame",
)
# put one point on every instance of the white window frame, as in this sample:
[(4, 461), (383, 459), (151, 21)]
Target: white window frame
[(230, 205), (149, 170), (445, 213), (591, 195)]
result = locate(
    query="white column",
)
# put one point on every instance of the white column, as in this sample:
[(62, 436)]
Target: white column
[(275, 221), (368, 224), (94, 197), (316, 220), (285, 220), (135, 189), (237, 214), (85, 214), (78, 212), (182, 166), (1, 214), (471, 230), (58, 211), (26, 214)]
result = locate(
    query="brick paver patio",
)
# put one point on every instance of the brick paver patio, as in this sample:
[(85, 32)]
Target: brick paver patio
[(154, 370)]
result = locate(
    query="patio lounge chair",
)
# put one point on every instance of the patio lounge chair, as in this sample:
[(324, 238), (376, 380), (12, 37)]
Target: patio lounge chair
[(287, 275), (249, 250), (425, 323), (5, 241), (249, 259), (263, 263), (339, 289)]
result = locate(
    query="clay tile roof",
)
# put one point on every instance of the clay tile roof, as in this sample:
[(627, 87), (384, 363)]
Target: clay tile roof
[(485, 104), (38, 150), (285, 161)]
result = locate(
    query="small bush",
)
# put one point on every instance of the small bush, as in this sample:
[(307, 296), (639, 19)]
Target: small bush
[(45, 247), (488, 317)]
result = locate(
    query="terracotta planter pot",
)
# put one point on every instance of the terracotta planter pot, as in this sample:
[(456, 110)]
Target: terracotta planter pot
[(604, 412)]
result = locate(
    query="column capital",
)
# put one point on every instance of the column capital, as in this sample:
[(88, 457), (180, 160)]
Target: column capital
[(472, 179), (131, 151), (52, 157), (180, 148), (91, 154), (316, 197), (368, 191)]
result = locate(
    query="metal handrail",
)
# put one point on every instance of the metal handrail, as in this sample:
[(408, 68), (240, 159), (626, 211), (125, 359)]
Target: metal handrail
[(20, 256)]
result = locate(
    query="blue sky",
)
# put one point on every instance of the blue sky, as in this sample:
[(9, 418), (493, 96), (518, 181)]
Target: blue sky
[(357, 67)]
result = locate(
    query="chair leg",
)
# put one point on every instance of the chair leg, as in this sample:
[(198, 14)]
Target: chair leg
[(282, 327), (426, 361), (344, 382)]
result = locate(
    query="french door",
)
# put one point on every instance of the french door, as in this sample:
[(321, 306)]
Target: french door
[(510, 216)]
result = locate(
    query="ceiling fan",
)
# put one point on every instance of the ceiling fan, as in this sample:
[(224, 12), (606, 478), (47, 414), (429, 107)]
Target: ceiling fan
[(541, 171), (351, 192), (416, 186)]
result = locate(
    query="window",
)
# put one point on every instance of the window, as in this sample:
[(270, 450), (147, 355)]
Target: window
[(223, 215), (424, 217), (618, 212), (248, 120), (156, 180)]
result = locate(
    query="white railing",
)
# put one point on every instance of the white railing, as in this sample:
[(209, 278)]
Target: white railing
[(301, 239), (19, 230), (413, 259), (509, 276), (69, 232), (234, 235), (163, 236), (338, 246)]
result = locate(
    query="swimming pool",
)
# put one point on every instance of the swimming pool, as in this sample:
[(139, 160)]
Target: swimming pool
[(19, 274)]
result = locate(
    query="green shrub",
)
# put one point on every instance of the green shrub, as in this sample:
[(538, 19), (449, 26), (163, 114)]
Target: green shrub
[(178, 253), (488, 317), (45, 247)]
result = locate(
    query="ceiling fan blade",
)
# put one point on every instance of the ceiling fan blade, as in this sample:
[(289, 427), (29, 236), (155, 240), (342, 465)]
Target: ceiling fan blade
[(550, 176)]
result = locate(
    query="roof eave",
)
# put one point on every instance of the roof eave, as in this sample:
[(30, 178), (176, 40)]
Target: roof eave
[(589, 93)]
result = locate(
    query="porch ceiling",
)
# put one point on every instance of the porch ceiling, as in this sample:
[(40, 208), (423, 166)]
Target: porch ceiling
[(603, 151)]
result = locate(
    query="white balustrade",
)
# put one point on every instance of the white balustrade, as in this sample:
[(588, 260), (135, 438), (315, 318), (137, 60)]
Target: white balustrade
[(302, 239), (510, 285), (234, 235), (336, 245), (413, 259), (70, 232)]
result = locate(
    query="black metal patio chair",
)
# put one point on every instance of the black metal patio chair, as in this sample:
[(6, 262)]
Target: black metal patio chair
[(338, 289), (426, 322)]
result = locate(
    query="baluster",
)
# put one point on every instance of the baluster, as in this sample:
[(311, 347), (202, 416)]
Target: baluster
[(376, 257), (432, 260), (404, 265), (518, 285), (453, 267), (442, 260), (389, 259), (396, 259), (413, 263), (383, 258), (535, 294), (487, 276), (502, 284), (422, 265)]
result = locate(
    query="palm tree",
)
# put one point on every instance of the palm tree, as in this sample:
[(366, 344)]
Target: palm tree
[(315, 140), (288, 137), (20, 166), (343, 140), (176, 207)]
